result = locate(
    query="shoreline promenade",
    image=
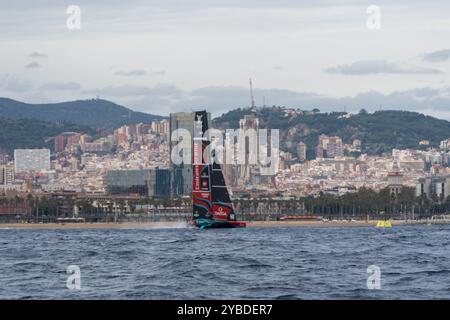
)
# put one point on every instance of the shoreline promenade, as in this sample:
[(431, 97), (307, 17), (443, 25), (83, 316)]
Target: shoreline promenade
[(181, 224)]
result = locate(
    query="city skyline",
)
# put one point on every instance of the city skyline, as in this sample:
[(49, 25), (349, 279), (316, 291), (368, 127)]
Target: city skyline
[(174, 56), (224, 154), (82, 163)]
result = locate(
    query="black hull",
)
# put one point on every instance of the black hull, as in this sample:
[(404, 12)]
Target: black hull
[(217, 224)]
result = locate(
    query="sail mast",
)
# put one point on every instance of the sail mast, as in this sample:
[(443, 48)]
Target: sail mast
[(201, 184)]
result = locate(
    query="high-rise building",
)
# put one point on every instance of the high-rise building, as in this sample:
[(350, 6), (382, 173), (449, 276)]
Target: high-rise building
[(445, 145), (162, 128), (96, 147), (6, 174), (27, 160), (85, 138), (4, 157), (142, 129), (230, 171), (155, 126), (182, 173), (159, 184), (248, 173), (435, 186), (128, 181), (66, 139), (165, 129), (329, 147), (301, 151), (60, 143), (74, 139)]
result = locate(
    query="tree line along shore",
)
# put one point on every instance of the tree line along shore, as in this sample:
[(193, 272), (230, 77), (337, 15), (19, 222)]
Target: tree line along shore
[(363, 205)]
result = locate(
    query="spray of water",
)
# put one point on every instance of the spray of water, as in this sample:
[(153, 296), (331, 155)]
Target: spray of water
[(170, 225)]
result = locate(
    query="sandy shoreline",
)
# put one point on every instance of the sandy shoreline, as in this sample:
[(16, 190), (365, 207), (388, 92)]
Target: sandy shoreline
[(180, 224)]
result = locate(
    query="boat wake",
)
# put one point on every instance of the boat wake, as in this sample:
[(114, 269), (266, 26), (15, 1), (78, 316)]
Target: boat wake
[(170, 225)]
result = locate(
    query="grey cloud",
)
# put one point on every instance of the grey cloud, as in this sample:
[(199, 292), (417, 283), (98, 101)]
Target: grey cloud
[(120, 91), (158, 73), (33, 65), (28, 5), (37, 55), (437, 56), (379, 67), (220, 99), (426, 92), (57, 86), (131, 73), (140, 72), (166, 90), (135, 15), (413, 100), (14, 84)]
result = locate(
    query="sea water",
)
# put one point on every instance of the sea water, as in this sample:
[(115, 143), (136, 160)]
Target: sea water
[(249, 263)]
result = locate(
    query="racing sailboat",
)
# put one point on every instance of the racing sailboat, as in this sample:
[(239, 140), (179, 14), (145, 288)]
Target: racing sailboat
[(212, 206)]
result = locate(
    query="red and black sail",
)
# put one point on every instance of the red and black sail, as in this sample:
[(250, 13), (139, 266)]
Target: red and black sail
[(210, 196)]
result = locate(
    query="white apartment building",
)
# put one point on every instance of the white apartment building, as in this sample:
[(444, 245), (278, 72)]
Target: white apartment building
[(27, 160)]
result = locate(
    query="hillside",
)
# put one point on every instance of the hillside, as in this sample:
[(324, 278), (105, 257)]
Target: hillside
[(95, 113), (27, 133), (379, 132)]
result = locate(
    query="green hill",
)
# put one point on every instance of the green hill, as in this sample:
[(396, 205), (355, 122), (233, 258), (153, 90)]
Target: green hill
[(379, 132), (28, 133), (95, 113)]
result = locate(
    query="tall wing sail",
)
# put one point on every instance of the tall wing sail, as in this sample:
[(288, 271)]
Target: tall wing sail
[(209, 192), (201, 182), (222, 207)]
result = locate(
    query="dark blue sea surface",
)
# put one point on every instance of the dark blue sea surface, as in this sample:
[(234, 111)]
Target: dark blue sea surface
[(251, 263)]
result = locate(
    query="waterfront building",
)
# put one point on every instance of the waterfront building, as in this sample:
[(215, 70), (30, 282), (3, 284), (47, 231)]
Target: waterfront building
[(159, 183), (153, 182), (434, 186), (128, 181), (395, 180)]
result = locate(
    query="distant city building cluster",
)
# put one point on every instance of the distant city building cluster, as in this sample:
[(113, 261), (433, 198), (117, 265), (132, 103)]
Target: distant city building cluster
[(28, 160), (134, 159), (329, 147)]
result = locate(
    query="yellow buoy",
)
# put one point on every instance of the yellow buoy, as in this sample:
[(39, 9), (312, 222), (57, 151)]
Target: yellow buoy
[(384, 224)]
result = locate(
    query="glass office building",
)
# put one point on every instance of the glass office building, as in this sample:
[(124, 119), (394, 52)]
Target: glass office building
[(146, 182), (182, 174)]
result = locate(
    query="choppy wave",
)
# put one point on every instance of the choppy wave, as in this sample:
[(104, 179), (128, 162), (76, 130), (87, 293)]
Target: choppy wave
[(176, 262)]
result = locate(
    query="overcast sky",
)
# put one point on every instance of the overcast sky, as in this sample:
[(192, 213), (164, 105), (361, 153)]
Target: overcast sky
[(175, 55)]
